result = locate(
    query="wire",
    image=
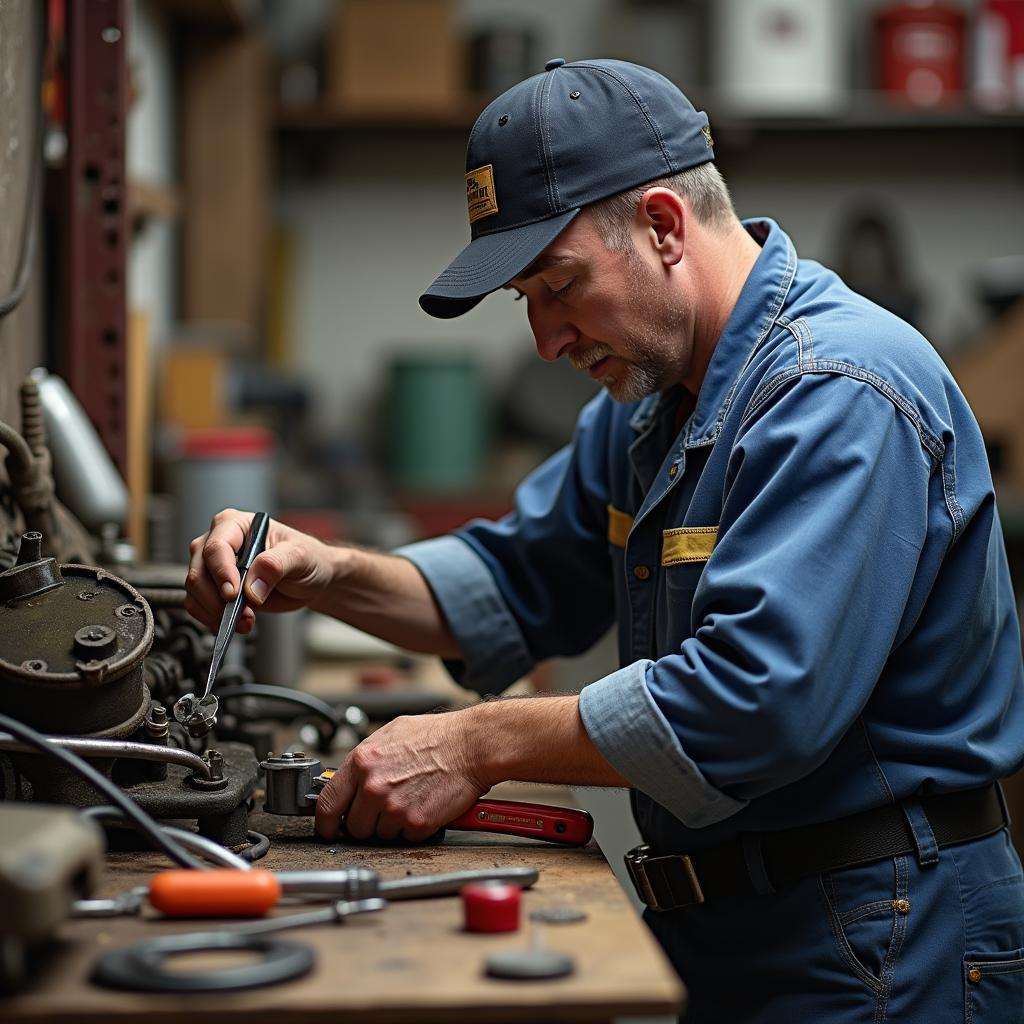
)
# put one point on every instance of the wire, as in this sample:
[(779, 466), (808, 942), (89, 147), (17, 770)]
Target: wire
[(260, 845), (132, 811), (204, 846), (304, 700)]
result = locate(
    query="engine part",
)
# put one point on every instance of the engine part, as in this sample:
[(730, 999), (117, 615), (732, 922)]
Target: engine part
[(72, 643), (49, 857), (85, 474)]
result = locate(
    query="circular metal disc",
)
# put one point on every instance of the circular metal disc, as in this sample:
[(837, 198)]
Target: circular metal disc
[(558, 915), (529, 964)]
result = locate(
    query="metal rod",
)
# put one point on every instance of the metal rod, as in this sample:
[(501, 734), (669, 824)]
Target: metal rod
[(87, 747)]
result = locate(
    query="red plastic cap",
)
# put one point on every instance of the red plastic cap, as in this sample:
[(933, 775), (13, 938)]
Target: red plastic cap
[(228, 443), (491, 907)]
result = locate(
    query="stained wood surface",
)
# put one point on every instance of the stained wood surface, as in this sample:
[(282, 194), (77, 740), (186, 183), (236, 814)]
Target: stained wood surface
[(411, 962)]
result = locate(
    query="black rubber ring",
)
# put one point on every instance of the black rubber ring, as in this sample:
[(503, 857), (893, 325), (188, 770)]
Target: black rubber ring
[(140, 967)]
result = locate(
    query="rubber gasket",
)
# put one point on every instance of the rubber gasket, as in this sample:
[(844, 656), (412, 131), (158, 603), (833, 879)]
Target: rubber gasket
[(140, 968)]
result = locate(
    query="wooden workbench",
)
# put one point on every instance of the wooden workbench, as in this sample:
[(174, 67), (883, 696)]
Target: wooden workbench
[(409, 963)]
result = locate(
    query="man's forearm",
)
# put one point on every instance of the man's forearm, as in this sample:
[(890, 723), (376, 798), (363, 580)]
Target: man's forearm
[(535, 739), (388, 597)]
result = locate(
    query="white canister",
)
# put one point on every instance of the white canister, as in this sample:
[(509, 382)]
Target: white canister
[(778, 57)]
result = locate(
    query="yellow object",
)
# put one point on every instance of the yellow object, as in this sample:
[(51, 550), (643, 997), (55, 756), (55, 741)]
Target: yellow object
[(688, 544)]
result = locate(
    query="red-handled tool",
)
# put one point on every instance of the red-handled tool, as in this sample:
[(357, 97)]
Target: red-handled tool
[(294, 782), (535, 821)]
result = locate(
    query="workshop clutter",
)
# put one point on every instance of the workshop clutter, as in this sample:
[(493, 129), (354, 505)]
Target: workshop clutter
[(812, 57)]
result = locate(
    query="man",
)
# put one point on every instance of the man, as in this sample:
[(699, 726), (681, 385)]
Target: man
[(782, 500)]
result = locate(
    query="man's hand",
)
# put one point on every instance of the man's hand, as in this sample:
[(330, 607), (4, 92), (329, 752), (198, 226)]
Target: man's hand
[(291, 573), (407, 780)]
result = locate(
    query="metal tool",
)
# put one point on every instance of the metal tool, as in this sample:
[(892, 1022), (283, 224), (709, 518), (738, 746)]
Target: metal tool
[(231, 893), (199, 715), (294, 782)]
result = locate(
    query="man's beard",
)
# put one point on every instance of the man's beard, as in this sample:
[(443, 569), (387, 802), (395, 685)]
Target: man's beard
[(650, 353)]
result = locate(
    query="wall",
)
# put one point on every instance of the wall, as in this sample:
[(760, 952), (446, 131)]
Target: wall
[(21, 331), (385, 213), (152, 158)]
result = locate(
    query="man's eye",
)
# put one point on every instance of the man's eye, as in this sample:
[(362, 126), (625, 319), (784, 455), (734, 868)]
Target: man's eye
[(564, 290)]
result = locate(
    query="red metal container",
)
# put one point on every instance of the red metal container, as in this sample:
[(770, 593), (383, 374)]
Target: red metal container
[(921, 53)]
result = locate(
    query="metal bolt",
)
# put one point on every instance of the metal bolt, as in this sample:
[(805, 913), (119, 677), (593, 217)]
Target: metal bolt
[(215, 759), (127, 611), (158, 713), (34, 665), (86, 595)]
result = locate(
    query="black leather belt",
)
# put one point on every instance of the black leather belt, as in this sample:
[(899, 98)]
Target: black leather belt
[(667, 881)]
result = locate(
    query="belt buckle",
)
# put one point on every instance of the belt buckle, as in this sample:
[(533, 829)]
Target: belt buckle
[(636, 864)]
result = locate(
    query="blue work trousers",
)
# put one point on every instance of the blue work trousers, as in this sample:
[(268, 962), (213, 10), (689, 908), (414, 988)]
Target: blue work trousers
[(926, 939)]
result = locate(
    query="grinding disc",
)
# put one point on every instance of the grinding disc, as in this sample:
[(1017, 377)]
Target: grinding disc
[(558, 915), (529, 964)]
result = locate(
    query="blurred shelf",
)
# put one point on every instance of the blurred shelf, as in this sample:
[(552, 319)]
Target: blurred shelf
[(218, 13), (148, 200), (326, 117), (866, 110)]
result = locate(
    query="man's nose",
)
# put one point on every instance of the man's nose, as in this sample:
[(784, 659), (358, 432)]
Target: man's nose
[(551, 331)]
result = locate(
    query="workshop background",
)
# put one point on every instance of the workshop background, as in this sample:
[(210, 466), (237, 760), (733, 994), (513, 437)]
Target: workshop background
[(217, 229)]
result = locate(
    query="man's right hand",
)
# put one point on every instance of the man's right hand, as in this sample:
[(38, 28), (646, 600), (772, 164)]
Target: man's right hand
[(293, 571)]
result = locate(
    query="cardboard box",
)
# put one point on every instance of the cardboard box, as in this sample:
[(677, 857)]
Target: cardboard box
[(389, 56), (193, 388)]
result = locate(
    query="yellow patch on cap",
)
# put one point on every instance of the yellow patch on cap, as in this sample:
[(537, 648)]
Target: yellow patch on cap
[(480, 193)]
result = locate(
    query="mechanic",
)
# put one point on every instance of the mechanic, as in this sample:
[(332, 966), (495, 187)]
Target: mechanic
[(782, 500)]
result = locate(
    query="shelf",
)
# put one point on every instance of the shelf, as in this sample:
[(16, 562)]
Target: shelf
[(148, 200), (329, 117), (866, 111)]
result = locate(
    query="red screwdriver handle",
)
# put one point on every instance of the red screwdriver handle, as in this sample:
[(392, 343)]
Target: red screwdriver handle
[(565, 825)]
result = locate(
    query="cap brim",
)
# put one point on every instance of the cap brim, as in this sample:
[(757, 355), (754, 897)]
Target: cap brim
[(487, 263)]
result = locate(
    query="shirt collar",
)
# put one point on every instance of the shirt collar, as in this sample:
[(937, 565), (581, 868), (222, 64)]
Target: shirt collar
[(759, 304), (757, 308)]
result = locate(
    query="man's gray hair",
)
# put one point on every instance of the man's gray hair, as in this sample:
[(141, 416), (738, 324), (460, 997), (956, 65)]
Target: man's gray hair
[(702, 185)]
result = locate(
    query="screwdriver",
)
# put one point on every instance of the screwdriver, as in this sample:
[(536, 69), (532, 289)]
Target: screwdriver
[(225, 892)]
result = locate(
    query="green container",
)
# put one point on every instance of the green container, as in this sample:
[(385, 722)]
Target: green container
[(438, 423)]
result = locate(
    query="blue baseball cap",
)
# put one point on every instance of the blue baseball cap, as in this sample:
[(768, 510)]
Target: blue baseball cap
[(540, 152)]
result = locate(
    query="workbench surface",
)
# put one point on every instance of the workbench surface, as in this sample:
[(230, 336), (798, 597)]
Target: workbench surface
[(409, 962)]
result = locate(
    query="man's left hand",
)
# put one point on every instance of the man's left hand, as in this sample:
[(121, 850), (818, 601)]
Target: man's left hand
[(405, 781)]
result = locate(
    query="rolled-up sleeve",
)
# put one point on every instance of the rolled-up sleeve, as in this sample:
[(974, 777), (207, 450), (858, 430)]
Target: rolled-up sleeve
[(632, 734), (494, 653)]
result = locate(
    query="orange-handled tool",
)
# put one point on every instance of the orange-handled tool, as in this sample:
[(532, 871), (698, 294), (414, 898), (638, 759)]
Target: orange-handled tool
[(217, 893), (233, 893)]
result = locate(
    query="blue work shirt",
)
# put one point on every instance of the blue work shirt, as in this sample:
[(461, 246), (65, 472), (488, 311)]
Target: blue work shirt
[(813, 602)]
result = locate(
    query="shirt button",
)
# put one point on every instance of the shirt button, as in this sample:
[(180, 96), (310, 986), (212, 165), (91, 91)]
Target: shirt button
[(641, 572), (673, 469)]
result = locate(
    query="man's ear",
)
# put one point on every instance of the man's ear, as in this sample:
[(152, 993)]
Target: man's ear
[(661, 216)]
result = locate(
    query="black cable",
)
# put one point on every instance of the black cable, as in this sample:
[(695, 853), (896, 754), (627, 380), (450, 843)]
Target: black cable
[(304, 700), (23, 272), (142, 821), (260, 845)]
